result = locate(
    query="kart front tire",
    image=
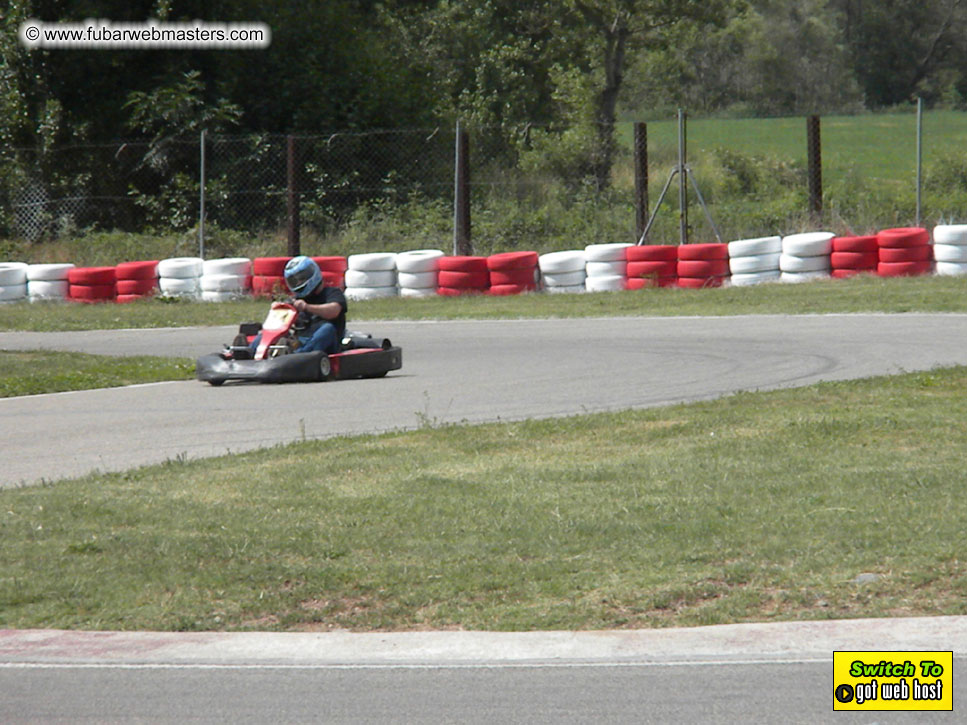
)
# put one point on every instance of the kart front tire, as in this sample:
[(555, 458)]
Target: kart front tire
[(325, 368)]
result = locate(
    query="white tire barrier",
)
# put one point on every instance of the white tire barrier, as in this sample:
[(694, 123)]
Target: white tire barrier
[(373, 261), (13, 292), (370, 278), (754, 247), (953, 234), (12, 274), (370, 293), (567, 289), (768, 262), (180, 286), (48, 272), (751, 278), (418, 280), (607, 269), (796, 277), (565, 279), (181, 267), (805, 257), (809, 244), (605, 283), (950, 269), (605, 252), (571, 260), (564, 272), (237, 266), (234, 283), (950, 252), (42, 289), (412, 292), (418, 260)]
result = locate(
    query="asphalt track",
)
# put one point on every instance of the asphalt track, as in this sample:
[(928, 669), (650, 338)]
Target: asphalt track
[(454, 372)]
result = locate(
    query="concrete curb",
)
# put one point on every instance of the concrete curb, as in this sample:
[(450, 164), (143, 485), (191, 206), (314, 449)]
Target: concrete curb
[(773, 641)]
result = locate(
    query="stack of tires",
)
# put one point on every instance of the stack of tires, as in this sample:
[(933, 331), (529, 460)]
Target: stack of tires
[(652, 265), (136, 280), (462, 275), (805, 256), (91, 284), (563, 272), (180, 277), (512, 273), (950, 249), (703, 265), (417, 272), (851, 256), (333, 270), (606, 267), (48, 282), (754, 261), (904, 252), (13, 281), (225, 279), (268, 278), (371, 276)]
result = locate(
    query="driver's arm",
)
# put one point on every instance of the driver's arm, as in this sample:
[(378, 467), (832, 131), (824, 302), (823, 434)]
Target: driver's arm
[(327, 311)]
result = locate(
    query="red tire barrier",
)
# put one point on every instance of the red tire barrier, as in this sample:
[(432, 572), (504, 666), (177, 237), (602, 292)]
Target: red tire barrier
[(91, 292), (922, 253), (269, 266), (334, 279), (458, 291), (474, 280), (903, 237), (854, 260), (510, 289), (268, 285), (703, 267), (137, 270), (526, 276), (122, 299), (332, 264), (92, 276), (506, 261), (700, 282), (647, 282), (903, 269), (651, 253), (847, 273), (462, 264), (703, 251), (856, 244), (137, 286)]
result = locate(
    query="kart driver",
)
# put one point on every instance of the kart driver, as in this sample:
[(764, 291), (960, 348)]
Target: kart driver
[(322, 310)]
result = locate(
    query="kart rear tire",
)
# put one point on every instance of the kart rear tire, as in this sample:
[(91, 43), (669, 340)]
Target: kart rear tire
[(325, 368), (215, 383)]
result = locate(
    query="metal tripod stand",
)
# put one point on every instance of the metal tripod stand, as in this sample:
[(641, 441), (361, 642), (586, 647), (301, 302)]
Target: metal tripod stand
[(682, 170)]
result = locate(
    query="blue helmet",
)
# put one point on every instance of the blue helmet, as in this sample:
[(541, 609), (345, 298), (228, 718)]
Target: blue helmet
[(302, 275)]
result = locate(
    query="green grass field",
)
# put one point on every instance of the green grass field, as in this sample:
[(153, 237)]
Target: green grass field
[(756, 507)]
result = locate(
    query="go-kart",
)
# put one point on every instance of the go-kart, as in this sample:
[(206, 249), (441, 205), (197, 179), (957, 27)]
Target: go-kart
[(277, 358)]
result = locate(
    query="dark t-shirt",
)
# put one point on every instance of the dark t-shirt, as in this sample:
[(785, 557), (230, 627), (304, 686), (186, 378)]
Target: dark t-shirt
[(322, 297)]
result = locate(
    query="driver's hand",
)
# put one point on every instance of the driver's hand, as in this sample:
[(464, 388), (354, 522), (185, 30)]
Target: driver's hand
[(300, 305)]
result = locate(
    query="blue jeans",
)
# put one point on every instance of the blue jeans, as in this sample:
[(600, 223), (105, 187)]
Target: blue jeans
[(322, 338)]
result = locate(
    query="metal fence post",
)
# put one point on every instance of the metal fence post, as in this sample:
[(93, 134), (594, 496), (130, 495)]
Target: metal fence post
[(641, 179), (682, 188), (292, 197), (814, 155), (461, 194), (201, 196), (919, 155)]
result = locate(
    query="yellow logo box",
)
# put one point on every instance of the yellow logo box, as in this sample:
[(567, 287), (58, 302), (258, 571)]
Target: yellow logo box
[(893, 680)]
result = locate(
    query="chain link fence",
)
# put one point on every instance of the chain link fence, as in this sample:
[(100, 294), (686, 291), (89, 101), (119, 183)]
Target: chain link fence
[(529, 187)]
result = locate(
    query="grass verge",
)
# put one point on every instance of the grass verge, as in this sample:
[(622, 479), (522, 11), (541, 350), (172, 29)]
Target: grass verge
[(860, 294), (756, 507), (34, 371)]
